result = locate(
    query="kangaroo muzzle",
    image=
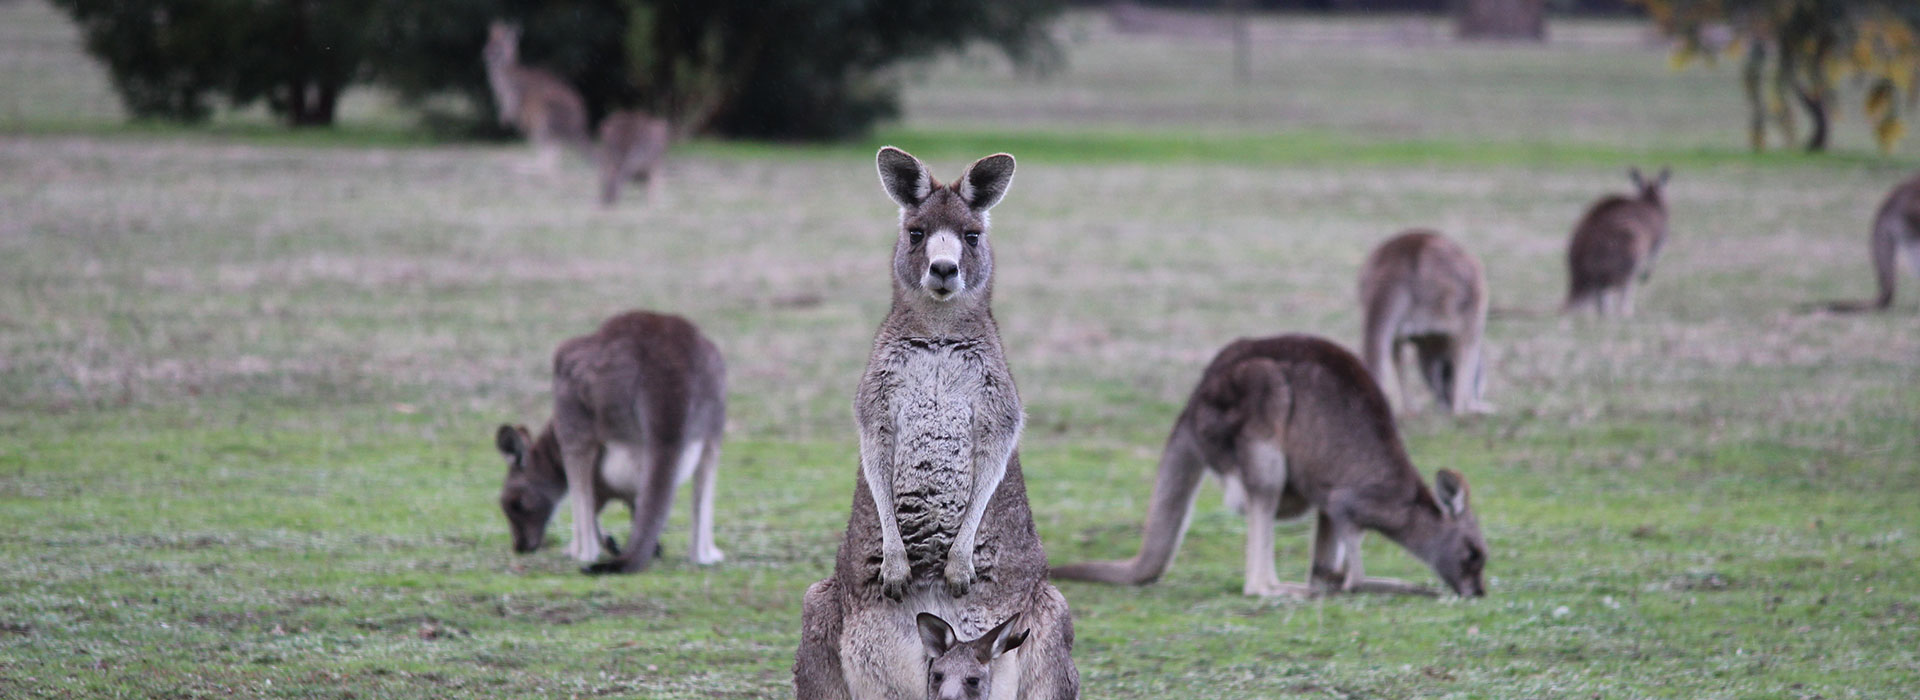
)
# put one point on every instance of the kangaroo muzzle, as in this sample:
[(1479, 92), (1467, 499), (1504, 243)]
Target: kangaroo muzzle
[(943, 279)]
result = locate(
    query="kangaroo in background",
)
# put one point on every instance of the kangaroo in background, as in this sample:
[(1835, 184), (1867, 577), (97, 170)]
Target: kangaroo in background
[(1291, 423), (632, 144), (958, 670), (1614, 246), (1422, 289), (538, 103), (638, 408), (940, 522), (1896, 230)]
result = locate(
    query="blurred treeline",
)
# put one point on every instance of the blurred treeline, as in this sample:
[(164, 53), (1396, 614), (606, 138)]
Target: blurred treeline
[(783, 69)]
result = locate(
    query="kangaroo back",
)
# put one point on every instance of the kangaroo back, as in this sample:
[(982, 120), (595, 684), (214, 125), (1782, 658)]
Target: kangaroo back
[(632, 144), (1896, 229)]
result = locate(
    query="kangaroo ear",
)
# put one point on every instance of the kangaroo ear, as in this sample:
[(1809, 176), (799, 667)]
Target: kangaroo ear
[(1666, 173), (986, 181), (512, 442), (935, 634), (1634, 175), (1451, 487), (904, 177)]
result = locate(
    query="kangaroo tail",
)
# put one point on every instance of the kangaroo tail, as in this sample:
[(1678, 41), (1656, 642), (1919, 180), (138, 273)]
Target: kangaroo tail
[(1167, 516)]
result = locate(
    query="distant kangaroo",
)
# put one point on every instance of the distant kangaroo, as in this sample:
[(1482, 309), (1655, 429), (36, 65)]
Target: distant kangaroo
[(958, 670), (1614, 246), (638, 408), (1423, 289), (538, 103), (1291, 423), (632, 144), (1896, 229), (940, 520)]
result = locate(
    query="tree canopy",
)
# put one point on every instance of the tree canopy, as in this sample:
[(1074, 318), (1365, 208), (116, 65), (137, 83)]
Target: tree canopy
[(790, 69), (1795, 53)]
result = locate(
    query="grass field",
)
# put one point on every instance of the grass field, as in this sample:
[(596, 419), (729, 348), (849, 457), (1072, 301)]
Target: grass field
[(248, 381)]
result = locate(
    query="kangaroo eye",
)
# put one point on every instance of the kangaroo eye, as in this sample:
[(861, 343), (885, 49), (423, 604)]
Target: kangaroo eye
[(973, 681), (938, 676), (973, 238), (914, 236)]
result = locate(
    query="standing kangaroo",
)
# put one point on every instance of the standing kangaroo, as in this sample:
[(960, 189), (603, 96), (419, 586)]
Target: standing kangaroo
[(1423, 289), (638, 408), (1896, 230), (940, 520), (632, 144), (538, 103), (1614, 247), (1292, 423)]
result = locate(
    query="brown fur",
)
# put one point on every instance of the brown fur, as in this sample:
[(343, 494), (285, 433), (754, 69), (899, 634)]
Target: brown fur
[(1422, 289), (1292, 423), (632, 145), (940, 521), (646, 387), (1896, 230), (547, 110), (1614, 246)]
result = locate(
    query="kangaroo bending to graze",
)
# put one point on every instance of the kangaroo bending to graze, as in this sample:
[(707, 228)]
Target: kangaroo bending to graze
[(962, 670), (940, 522), (1896, 230), (638, 409), (548, 111), (1294, 423), (1422, 289), (632, 144), (1614, 246)]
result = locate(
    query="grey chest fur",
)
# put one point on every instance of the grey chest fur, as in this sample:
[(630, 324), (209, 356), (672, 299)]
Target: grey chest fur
[(932, 394)]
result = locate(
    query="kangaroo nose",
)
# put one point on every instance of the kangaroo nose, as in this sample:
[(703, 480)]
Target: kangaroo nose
[(944, 269)]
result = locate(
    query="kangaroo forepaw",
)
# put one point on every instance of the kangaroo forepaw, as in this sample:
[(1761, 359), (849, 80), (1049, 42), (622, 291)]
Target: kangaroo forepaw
[(612, 547), (959, 575), (893, 577)]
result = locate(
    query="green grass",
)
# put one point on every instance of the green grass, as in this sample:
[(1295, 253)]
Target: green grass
[(248, 382)]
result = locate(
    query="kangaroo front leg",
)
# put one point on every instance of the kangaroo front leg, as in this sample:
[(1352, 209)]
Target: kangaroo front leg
[(993, 447), (580, 459), (876, 450)]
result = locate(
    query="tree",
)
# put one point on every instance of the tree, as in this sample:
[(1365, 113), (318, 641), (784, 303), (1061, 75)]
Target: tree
[(167, 56), (1794, 53), (789, 69)]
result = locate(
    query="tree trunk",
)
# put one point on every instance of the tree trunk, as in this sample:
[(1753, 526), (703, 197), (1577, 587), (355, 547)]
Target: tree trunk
[(1501, 19)]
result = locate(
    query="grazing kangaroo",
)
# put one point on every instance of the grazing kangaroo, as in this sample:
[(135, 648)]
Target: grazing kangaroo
[(1422, 289), (940, 520), (1896, 230), (1292, 423), (1614, 246), (538, 103), (958, 670), (638, 409), (632, 144)]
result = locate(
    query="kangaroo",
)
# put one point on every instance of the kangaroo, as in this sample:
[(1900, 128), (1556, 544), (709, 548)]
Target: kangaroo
[(538, 103), (632, 144), (940, 521), (1614, 246), (958, 670), (638, 409), (1423, 289), (1896, 229), (1294, 422)]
